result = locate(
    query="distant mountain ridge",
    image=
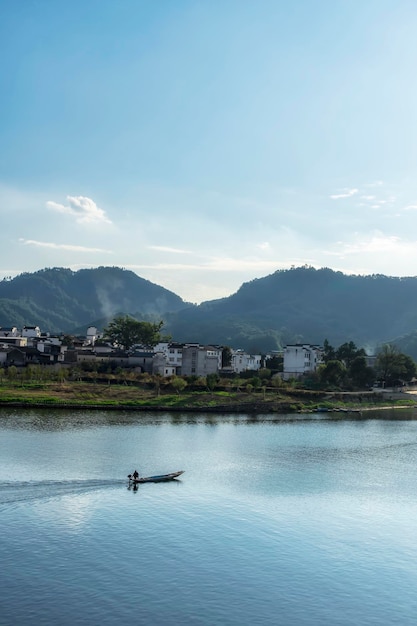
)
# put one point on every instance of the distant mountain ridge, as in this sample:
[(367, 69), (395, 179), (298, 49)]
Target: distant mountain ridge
[(297, 305)]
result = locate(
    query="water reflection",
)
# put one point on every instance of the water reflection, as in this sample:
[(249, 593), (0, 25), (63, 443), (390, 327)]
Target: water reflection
[(63, 419)]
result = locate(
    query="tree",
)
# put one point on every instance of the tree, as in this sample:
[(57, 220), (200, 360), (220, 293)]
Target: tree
[(347, 352), (392, 365), (360, 373), (275, 363), (212, 380), (226, 357), (67, 340), (410, 367), (333, 373), (179, 384), (264, 373), (125, 332), (329, 353)]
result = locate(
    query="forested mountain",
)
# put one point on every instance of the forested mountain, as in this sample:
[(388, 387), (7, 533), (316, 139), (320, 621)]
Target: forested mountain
[(306, 305), (297, 305), (59, 299)]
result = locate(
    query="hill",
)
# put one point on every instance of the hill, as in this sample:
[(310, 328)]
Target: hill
[(59, 299), (305, 305), (298, 305)]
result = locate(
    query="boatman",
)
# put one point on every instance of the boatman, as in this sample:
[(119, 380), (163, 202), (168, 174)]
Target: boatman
[(135, 475)]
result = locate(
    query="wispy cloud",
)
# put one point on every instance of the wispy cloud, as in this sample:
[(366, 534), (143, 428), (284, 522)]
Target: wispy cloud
[(346, 193), (166, 249), (376, 243), (217, 264), (84, 209), (411, 207), (376, 183), (264, 246), (61, 246)]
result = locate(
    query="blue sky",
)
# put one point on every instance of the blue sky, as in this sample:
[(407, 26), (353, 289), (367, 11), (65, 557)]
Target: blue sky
[(204, 143)]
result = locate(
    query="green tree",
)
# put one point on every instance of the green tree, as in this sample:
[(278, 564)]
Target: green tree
[(226, 357), (347, 352), (125, 332), (67, 340), (360, 373), (212, 380), (12, 372), (264, 373), (275, 363), (392, 365), (329, 353), (179, 384), (333, 373)]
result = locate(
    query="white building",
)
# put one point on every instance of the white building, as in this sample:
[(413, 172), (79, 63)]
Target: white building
[(299, 359), (10, 331), (92, 335), (241, 361), (200, 360), (172, 352), (31, 331)]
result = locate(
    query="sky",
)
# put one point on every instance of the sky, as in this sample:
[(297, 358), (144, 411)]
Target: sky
[(206, 143)]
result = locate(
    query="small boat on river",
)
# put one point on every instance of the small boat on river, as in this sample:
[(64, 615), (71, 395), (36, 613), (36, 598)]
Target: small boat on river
[(154, 479)]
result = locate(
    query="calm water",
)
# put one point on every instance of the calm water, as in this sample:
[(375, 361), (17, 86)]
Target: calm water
[(274, 522)]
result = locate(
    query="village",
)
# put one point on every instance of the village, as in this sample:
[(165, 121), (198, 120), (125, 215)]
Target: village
[(31, 346)]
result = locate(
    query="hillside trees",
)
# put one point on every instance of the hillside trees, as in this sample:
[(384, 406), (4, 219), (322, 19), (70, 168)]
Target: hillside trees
[(125, 332)]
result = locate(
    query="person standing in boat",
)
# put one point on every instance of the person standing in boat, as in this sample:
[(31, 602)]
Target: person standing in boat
[(135, 475)]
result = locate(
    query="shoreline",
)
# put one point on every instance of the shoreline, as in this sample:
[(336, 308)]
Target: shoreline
[(258, 408)]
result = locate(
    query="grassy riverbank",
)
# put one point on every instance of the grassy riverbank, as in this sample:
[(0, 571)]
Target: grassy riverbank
[(122, 396)]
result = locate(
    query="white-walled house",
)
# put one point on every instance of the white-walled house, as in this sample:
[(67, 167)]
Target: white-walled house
[(92, 336), (9, 331), (161, 366), (172, 352), (31, 331), (241, 361), (299, 359), (200, 360)]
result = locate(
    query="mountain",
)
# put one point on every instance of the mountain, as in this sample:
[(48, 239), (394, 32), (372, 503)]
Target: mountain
[(59, 299), (305, 305), (298, 305)]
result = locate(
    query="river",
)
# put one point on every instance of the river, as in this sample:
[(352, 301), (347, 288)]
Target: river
[(293, 520)]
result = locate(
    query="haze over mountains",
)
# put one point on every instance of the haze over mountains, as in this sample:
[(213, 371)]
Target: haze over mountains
[(298, 305)]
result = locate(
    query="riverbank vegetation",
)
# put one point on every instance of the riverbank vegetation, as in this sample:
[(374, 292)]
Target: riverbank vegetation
[(262, 393)]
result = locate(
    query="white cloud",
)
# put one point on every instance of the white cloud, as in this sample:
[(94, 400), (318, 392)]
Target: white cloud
[(411, 207), (376, 183), (264, 246), (346, 193), (61, 246), (84, 209), (166, 249), (377, 243)]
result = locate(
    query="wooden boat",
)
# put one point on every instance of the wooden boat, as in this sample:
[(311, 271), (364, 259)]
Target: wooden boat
[(155, 479)]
